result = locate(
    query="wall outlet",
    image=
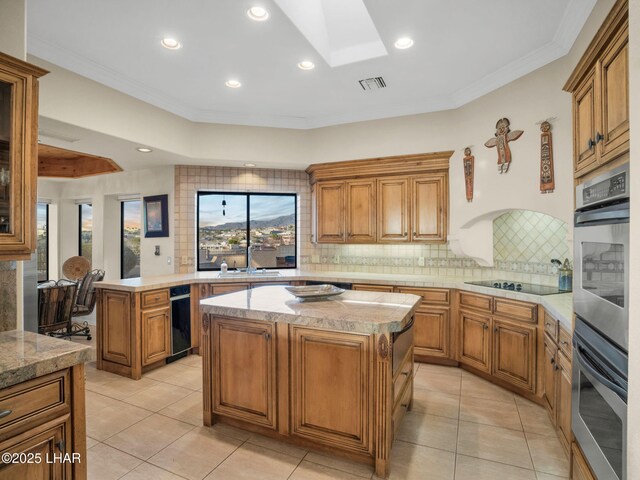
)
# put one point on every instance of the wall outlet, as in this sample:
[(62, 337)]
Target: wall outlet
[(421, 261), (185, 260), (168, 260), (337, 259)]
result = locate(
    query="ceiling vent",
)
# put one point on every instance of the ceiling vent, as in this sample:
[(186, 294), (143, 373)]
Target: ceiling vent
[(373, 83)]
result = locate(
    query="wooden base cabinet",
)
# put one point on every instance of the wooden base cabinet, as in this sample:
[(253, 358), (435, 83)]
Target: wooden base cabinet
[(338, 392), (44, 419), (244, 359), (498, 337), (580, 469), (156, 335), (331, 391)]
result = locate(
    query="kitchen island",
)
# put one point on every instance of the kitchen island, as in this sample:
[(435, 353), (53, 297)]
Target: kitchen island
[(335, 375)]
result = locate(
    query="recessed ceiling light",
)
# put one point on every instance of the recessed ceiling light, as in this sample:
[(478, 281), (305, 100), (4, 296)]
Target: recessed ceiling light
[(249, 164), (306, 65), (403, 42), (259, 14), (233, 83), (170, 43), (144, 150)]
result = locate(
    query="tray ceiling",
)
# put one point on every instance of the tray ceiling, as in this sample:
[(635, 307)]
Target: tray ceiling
[(462, 50)]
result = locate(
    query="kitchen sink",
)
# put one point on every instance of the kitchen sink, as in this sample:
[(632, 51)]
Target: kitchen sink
[(252, 274)]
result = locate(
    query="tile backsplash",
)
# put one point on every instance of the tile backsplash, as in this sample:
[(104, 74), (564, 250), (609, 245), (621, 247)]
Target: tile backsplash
[(524, 241)]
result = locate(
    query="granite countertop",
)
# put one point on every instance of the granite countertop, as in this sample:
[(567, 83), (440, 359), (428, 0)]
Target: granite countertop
[(27, 355), (353, 311), (560, 305)]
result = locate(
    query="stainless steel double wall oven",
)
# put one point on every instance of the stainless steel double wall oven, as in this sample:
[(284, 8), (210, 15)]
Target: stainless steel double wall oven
[(601, 335)]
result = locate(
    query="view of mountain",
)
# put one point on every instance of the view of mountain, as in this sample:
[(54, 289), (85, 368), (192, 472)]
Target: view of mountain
[(281, 221)]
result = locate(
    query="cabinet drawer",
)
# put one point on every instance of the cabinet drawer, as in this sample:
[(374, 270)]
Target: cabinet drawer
[(372, 288), (401, 408), (515, 310), (229, 288), (430, 296), (551, 327), (154, 298), (564, 341), (404, 376), (34, 401), (475, 300)]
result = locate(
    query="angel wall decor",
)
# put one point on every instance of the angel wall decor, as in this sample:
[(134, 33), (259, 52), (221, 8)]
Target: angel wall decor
[(501, 140)]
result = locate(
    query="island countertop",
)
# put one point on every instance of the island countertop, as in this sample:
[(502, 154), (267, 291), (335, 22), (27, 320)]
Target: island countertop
[(27, 355), (353, 311)]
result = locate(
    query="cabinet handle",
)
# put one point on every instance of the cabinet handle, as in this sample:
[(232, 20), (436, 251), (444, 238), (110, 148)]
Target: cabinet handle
[(553, 361), (547, 324), (564, 342), (591, 144), (406, 374), (415, 234), (495, 329), (61, 445), (406, 234), (267, 336), (5, 413), (556, 367), (599, 137), (485, 326), (404, 405)]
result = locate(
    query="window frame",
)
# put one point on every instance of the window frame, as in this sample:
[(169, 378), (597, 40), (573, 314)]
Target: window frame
[(247, 195), (122, 202), (48, 240), (80, 229)]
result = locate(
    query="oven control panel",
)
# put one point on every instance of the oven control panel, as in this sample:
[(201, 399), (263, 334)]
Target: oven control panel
[(612, 187)]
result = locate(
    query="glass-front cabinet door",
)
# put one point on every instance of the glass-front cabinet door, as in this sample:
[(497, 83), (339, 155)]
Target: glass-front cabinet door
[(18, 156)]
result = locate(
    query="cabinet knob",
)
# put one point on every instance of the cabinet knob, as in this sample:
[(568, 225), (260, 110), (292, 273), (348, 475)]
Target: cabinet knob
[(564, 342), (599, 137), (415, 234), (553, 361), (61, 445), (404, 405), (485, 326), (406, 374), (5, 413), (495, 329), (556, 367), (591, 144), (267, 336), (405, 234)]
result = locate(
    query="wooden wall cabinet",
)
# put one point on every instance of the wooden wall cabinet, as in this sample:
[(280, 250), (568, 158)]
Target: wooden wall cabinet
[(18, 157), (385, 200), (600, 89)]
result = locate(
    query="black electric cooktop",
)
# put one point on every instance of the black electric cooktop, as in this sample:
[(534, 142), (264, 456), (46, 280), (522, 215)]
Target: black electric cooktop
[(519, 287)]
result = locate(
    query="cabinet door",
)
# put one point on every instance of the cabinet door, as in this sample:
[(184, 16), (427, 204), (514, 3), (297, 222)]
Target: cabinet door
[(156, 335), (550, 379), (584, 105), (579, 466), (43, 442), (429, 200), (18, 157), (116, 328), (474, 339), (431, 332), (514, 353), (393, 210), (612, 134), (330, 212), (361, 211), (564, 400), (332, 387), (244, 376)]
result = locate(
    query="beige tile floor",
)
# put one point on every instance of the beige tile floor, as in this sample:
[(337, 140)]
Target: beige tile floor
[(461, 428)]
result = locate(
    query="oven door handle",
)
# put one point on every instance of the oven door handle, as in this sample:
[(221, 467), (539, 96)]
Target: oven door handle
[(598, 216), (584, 362)]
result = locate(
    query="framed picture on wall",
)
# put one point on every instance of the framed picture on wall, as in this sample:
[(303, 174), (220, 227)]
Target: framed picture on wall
[(156, 216)]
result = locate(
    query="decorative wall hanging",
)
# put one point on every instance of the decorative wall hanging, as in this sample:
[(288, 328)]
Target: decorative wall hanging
[(547, 181), (501, 140), (156, 216), (467, 163)]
